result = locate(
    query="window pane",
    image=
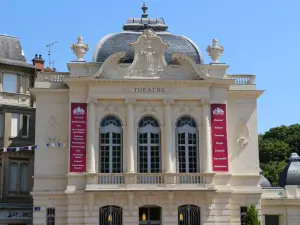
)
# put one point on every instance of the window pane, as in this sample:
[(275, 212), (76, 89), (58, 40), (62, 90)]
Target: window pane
[(272, 219), (14, 125), (24, 178), (10, 82), (13, 175), (25, 125)]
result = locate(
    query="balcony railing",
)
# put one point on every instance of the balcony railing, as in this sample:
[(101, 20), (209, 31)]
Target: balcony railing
[(153, 178), (57, 77), (242, 79)]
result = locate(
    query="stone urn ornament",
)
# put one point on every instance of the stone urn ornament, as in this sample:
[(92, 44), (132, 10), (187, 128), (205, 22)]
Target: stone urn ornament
[(215, 51), (80, 49)]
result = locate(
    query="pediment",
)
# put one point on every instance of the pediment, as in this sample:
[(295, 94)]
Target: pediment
[(149, 62)]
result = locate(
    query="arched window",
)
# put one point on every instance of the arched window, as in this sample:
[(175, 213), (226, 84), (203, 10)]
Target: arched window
[(110, 215), (110, 145), (149, 145), (187, 145), (189, 215)]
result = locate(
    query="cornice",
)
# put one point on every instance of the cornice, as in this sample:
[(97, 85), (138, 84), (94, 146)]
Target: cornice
[(91, 81), (280, 201), (245, 93), (35, 91)]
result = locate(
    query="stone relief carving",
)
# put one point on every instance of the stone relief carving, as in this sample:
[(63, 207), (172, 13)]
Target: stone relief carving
[(185, 108), (54, 131), (243, 134), (110, 109), (182, 59), (148, 108), (149, 59)]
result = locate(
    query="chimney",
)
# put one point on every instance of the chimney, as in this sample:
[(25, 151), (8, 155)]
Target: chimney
[(38, 62)]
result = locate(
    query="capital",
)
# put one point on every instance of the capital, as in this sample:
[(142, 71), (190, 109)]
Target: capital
[(205, 102), (91, 100), (168, 101), (130, 101)]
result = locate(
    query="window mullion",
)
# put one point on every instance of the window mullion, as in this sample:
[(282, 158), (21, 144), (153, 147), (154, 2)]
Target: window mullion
[(186, 146), (149, 151), (110, 151)]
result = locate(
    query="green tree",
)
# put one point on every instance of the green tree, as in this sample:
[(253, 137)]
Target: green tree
[(275, 147), (252, 216)]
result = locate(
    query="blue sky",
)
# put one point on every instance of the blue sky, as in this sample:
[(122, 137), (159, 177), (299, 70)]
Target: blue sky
[(260, 37)]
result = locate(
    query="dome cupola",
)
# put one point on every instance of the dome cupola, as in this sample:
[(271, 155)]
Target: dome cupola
[(291, 173), (119, 42), (264, 182)]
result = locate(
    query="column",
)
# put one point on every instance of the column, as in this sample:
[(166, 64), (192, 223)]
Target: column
[(169, 150), (206, 132), (91, 119), (130, 135)]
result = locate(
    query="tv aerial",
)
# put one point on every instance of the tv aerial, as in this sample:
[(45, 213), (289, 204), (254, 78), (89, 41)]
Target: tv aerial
[(49, 46)]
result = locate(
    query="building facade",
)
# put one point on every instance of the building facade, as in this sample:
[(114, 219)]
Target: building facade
[(17, 132), (147, 133)]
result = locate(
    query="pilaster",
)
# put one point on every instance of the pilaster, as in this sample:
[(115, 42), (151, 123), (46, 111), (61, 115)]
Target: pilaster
[(91, 139), (170, 151), (130, 135), (207, 145)]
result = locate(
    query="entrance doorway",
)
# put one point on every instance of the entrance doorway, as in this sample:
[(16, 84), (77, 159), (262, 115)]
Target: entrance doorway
[(150, 215)]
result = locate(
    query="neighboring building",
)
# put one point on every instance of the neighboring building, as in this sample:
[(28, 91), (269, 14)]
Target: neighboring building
[(156, 136), (17, 132)]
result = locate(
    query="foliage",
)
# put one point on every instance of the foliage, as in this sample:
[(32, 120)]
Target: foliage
[(252, 216), (275, 147)]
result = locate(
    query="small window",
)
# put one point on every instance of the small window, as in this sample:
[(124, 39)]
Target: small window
[(14, 125), (13, 177), (243, 213), (24, 175), (10, 82), (25, 126), (50, 216), (271, 219)]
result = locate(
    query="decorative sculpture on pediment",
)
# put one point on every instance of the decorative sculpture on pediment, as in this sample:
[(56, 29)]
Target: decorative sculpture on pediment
[(183, 59), (149, 59), (111, 62)]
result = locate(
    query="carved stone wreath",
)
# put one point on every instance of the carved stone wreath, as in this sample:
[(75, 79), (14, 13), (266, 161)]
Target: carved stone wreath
[(148, 108), (185, 108)]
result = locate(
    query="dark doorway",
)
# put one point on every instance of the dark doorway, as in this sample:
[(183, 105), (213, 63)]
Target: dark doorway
[(150, 215), (189, 215)]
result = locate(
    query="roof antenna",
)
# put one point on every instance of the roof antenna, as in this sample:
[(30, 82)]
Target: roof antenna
[(49, 53), (144, 8)]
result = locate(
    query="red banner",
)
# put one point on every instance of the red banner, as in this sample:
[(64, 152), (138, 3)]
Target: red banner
[(78, 137), (219, 137)]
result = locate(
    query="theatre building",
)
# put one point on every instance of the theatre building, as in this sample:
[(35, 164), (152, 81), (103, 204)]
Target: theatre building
[(147, 133)]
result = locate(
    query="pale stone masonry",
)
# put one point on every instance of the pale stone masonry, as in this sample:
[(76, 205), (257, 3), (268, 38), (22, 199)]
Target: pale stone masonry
[(150, 137)]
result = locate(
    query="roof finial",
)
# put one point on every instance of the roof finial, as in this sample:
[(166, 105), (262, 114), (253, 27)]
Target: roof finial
[(144, 8), (294, 157)]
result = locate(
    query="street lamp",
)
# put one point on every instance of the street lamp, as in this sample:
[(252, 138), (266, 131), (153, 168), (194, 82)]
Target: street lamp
[(181, 217), (109, 218)]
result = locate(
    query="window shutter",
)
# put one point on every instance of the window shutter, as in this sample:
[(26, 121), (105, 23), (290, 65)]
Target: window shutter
[(24, 178), (13, 176), (14, 125), (24, 128), (1, 125)]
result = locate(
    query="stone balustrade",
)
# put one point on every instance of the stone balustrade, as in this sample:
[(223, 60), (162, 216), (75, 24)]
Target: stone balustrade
[(185, 179)]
